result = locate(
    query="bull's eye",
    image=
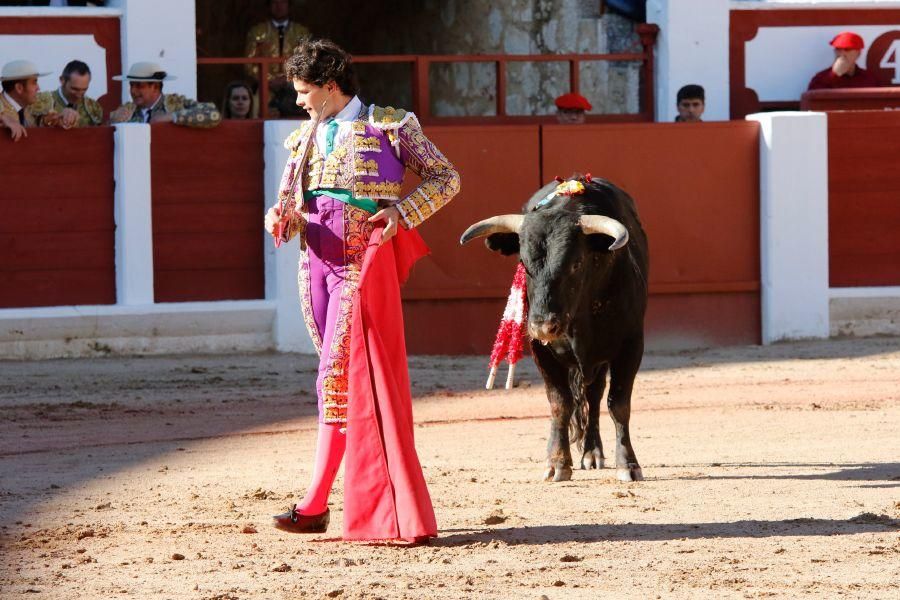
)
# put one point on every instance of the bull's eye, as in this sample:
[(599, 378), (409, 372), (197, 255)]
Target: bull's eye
[(576, 265)]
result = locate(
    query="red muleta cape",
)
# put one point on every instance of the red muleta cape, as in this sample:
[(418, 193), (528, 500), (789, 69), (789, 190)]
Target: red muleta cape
[(385, 496)]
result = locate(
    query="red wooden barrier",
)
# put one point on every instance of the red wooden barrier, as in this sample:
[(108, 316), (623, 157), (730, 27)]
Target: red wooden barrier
[(207, 212), (57, 230), (851, 99), (697, 191), (454, 297), (864, 198)]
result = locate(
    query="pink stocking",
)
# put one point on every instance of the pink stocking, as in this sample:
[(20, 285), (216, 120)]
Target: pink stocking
[(329, 453)]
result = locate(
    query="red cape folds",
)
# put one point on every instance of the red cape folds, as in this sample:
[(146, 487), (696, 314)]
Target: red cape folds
[(385, 496)]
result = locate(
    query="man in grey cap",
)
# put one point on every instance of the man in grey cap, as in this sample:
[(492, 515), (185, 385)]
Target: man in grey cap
[(150, 105), (20, 89)]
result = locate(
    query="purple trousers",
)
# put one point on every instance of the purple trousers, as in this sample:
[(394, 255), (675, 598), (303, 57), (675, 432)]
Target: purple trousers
[(336, 238)]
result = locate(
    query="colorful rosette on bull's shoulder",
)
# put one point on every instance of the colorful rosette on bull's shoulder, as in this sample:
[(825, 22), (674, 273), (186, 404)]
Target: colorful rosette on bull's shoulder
[(511, 335)]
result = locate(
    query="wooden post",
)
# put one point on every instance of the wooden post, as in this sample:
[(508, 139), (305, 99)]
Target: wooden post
[(648, 33), (501, 88)]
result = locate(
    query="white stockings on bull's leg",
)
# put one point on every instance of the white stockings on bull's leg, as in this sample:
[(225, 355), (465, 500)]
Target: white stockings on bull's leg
[(592, 457), (621, 383)]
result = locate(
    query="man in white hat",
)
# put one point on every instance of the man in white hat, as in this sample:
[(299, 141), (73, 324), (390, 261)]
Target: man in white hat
[(20, 89), (150, 105)]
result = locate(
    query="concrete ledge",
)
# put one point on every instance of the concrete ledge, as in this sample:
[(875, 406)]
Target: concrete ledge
[(70, 331), (864, 316)]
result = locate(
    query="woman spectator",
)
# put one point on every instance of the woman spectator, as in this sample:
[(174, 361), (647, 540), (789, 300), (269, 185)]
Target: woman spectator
[(239, 102)]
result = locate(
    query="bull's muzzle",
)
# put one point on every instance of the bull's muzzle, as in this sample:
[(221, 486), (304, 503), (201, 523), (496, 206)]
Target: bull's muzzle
[(545, 330)]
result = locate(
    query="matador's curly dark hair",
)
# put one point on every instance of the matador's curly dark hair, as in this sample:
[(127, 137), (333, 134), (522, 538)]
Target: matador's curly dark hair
[(318, 61)]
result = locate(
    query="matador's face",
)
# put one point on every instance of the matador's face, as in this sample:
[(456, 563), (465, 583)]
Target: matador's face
[(311, 97)]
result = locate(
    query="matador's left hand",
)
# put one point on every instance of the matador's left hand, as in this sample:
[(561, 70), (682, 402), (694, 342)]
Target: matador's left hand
[(392, 217)]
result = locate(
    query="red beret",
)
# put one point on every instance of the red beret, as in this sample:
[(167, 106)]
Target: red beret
[(572, 101), (848, 40)]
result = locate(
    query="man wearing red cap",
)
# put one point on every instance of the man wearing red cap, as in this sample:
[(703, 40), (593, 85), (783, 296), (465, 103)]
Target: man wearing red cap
[(844, 73), (570, 108)]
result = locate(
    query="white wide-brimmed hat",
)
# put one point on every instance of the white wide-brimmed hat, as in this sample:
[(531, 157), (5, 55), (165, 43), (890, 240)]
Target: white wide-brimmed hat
[(20, 69), (145, 71)]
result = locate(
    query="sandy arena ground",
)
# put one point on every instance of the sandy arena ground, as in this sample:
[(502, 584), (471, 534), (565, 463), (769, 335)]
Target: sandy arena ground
[(770, 472)]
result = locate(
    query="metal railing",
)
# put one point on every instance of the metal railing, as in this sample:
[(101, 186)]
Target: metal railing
[(421, 69)]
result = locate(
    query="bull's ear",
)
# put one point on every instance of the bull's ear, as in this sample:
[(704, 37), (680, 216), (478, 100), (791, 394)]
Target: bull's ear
[(504, 243)]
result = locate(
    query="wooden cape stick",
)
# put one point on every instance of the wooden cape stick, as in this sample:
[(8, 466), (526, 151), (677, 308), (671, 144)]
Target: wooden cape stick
[(285, 218)]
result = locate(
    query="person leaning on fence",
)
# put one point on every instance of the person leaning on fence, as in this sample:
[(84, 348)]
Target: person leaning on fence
[(844, 72), (238, 101), (68, 106), (691, 103), (150, 105), (276, 37), (571, 108), (19, 80)]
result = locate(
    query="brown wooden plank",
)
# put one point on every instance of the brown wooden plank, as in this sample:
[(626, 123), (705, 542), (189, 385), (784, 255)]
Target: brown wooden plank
[(207, 285), (208, 218), (20, 289), (57, 250), (207, 250)]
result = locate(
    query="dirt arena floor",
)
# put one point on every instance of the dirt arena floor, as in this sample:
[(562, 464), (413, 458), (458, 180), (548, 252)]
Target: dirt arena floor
[(770, 472)]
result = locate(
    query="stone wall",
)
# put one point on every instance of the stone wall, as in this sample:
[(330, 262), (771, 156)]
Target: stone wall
[(454, 27), (525, 27)]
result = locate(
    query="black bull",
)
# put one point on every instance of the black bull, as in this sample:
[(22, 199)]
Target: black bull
[(586, 261)]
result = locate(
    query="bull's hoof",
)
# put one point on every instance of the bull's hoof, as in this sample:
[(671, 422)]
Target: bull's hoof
[(629, 473), (593, 459), (558, 474)]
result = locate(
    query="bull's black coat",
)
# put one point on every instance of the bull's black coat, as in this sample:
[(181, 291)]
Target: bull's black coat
[(588, 305)]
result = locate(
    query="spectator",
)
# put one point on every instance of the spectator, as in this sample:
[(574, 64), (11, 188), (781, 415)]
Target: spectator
[(69, 106), (19, 80), (276, 37), (150, 105), (238, 102), (690, 102), (571, 108), (844, 73)]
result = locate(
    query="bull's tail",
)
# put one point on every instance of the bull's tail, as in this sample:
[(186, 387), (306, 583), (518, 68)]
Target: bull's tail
[(578, 423)]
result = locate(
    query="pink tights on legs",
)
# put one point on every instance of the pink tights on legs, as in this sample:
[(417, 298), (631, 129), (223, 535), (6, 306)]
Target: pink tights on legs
[(329, 453)]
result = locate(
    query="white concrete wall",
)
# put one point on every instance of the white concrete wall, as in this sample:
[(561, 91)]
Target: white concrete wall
[(133, 214), (51, 52), (162, 31), (793, 225), (692, 47), (281, 263)]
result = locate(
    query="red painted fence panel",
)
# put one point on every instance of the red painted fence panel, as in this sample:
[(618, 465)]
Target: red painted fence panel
[(207, 212), (697, 191), (57, 228), (864, 198)]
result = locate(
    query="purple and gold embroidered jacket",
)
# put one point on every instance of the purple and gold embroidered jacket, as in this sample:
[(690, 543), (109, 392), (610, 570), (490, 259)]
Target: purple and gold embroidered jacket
[(370, 163)]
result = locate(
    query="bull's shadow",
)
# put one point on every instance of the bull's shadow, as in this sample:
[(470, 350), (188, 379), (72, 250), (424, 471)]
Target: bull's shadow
[(652, 532), (881, 472)]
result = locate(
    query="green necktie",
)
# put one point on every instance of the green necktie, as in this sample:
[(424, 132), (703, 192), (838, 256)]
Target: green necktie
[(330, 132)]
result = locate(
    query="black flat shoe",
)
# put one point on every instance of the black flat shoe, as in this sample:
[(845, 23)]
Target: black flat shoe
[(295, 522)]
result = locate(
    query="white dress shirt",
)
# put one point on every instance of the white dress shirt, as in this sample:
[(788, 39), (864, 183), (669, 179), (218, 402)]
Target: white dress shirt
[(345, 119)]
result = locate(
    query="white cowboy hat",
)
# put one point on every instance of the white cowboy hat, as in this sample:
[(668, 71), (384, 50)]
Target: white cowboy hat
[(20, 69), (145, 71)]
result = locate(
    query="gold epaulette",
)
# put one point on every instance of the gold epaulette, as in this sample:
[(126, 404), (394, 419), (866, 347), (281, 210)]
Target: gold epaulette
[(94, 110), (43, 104), (389, 117), (174, 102), (293, 141)]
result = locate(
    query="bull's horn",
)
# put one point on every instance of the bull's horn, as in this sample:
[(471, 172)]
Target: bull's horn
[(606, 225), (498, 224)]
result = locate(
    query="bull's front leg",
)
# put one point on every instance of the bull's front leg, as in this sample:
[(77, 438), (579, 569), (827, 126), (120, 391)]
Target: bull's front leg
[(621, 382), (592, 457), (559, 395)]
